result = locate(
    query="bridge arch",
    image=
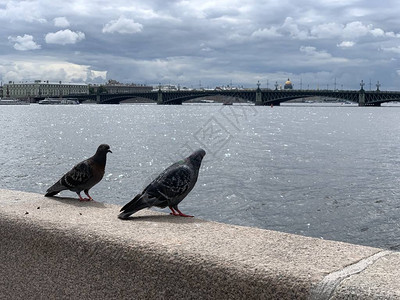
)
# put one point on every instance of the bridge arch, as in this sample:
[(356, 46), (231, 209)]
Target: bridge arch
[(257, 96)]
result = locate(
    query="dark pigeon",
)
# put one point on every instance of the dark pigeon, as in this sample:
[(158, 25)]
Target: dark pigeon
[(83, 176), (169, 188)]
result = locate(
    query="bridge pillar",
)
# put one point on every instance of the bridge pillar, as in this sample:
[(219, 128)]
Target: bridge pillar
[(159, 97), (258, 97), (98, 100), (361, 98), (361, 94)]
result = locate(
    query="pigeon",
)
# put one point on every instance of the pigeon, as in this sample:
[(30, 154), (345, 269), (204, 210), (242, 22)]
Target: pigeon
[(169, 188), (83, 176)]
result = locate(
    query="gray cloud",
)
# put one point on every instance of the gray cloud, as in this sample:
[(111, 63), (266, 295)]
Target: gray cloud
[(215, 43)]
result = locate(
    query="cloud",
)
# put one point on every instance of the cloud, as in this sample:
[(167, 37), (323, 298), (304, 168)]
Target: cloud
[(266, 32), (26, 11), (351, 30), (320, 57), (392, 49), (327, 30), (293, 29), (96, 76), (61, 22), (309, 50), (123, 26), (304, 31), (346, 44), (24, 43), (391, 34), (46, 68), (64, 37), (356, 29)]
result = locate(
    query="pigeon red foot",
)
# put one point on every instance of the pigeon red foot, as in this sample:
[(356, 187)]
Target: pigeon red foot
[(178, 213), (85, 199)]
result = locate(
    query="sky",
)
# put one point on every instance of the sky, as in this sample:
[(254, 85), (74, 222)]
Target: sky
[(327, 44)]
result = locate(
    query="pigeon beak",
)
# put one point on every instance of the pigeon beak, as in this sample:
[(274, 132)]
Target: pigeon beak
[(109, 151)]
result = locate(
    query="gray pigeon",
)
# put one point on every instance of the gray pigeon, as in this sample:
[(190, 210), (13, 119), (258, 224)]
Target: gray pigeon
[(83, 176), (169, 188)]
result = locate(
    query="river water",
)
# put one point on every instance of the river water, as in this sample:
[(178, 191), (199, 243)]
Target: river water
[(330, 172)]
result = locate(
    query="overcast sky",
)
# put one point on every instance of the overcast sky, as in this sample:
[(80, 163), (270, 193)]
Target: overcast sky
[(207, 43)]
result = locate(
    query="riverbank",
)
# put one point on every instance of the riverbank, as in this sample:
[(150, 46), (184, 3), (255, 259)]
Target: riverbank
[(63, 248)]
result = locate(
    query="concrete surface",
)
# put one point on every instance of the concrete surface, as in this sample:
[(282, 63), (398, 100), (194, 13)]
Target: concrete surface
[(60, 248)]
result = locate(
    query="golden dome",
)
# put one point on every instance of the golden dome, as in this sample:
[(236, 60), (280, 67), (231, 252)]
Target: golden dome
[(288, 85)]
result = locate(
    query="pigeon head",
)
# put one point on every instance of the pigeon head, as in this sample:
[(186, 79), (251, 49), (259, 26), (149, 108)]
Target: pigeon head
[(101, 154), (197, 156), (103, 148)]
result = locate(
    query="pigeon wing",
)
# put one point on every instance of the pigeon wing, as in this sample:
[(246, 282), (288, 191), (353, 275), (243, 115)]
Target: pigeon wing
[(78, 176), (172, 184), (169, 188), (73, 180)]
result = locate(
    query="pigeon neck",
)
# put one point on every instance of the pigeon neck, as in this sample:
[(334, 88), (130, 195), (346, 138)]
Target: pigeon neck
[(100, 158), (195, 162)]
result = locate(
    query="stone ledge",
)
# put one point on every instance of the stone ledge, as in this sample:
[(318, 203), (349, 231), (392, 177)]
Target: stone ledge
[(62, 248)]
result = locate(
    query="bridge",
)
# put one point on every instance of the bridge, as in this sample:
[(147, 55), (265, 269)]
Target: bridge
[(257, 96)]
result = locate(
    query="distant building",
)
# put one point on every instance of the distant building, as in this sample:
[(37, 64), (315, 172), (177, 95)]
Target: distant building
[(167, 88), (288, 85), (115, 87), (43, 89), (225, 88)]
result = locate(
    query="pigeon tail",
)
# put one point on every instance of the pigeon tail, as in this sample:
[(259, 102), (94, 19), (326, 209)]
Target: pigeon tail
[(55, 189), (139, 202)]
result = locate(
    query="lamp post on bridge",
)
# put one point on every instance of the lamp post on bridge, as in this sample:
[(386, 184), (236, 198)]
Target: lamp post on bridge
[(378, 85)]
